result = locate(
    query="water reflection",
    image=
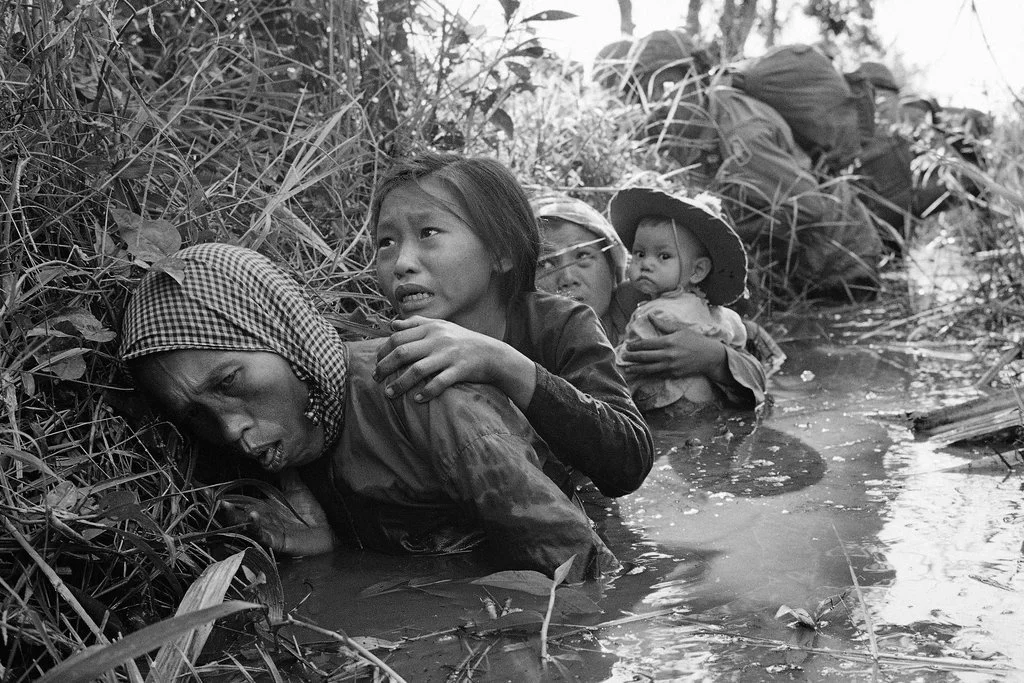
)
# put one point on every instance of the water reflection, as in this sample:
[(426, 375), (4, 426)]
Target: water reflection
[(738, 519), (753, 514), (954, 541)]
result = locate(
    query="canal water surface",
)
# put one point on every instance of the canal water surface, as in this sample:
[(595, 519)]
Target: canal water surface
[(794, 547)]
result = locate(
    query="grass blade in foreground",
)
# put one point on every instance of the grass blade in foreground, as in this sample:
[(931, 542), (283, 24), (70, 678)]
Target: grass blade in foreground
[(95, 661), (209, 589)]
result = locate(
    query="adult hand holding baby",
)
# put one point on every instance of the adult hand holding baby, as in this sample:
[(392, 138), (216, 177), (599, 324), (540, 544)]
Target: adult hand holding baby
[(680, 353)]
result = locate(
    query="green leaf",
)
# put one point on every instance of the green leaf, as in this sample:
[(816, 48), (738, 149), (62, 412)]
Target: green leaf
[(525, 580), (550, 15), (88, 326), (76, 321), (116, 499), (27, 458), (148, 240), (67, 364), (501, 119), (510, 7), (63, 496), (94, 661), (527, 50), (522, 72), (563, 570), (175, 267)]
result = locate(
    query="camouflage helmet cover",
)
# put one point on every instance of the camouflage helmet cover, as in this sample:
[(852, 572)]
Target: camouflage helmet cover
[(641, 59), (878, 75), (663, 48)]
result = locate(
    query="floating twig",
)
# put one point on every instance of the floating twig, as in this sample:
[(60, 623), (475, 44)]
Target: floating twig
[(1008, 356), (348, 642), (872, 642)]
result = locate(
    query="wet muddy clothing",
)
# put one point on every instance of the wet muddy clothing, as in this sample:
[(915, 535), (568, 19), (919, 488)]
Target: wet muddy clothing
[(761, 165), (680, 309), (747, 388), (459, 471), (581, 406), (817, 232)]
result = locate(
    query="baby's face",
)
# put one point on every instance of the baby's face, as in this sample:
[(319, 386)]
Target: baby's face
[(664, 257)]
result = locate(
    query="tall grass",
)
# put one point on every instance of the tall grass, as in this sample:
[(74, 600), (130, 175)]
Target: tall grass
[(187, 122), (126, 133)]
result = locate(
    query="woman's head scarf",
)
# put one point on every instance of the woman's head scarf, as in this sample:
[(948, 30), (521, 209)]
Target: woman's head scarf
[(234, 299)]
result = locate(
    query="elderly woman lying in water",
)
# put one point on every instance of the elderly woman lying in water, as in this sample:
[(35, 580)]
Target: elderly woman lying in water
[(236, 357)]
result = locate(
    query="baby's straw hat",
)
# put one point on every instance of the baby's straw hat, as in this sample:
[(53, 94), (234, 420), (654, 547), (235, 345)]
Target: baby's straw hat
[(728, 277), (582, 214)]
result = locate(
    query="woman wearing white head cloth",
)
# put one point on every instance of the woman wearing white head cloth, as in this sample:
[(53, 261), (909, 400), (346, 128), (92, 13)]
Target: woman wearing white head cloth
[(235, 356)]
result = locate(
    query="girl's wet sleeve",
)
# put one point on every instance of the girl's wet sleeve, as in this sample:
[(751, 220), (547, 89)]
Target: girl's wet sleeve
[(491, 465), (583, 409)]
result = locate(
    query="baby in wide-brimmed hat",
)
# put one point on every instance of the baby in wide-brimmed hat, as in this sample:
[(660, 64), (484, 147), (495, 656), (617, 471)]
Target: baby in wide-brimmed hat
[(692, 263)]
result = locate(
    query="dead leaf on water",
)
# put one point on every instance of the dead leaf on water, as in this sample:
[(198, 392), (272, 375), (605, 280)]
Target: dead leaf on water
[(526, 620), (525, 580), (371, 643), (382, 587), (572, 601)]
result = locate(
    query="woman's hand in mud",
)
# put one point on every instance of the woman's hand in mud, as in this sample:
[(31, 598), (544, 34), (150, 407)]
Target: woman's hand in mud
[(303, 530), (426, 356), (682, 353)]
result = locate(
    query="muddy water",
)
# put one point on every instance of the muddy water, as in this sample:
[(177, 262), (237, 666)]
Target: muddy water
[(737, 520)]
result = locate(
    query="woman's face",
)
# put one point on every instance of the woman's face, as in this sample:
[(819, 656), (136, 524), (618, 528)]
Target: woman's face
[(250, 401), (582, 273), (431, 263)]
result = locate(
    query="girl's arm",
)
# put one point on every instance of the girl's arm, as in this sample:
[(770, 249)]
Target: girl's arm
[(426, 356), (557, 368), (489, 460), (528, 521), (582, 406)]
